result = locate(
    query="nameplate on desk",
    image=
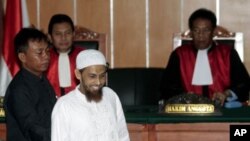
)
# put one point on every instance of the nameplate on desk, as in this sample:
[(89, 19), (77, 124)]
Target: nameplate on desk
[(2, 113), (189, 108)]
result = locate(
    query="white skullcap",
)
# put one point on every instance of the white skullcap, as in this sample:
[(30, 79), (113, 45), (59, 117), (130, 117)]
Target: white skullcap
[(90, 57)]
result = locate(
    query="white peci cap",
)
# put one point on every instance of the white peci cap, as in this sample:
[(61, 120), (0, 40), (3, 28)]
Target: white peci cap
[(90, 57)]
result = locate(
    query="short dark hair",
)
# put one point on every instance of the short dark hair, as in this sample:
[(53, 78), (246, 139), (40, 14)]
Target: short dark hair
[(25, 35), (59, 18), (202, 13)]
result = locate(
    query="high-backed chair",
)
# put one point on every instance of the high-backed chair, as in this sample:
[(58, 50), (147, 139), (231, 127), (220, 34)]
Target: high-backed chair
[(90, 39), (221, 35), (136, 86)]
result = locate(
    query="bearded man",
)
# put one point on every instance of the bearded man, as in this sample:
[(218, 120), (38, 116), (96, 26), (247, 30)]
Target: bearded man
[(91, 111)]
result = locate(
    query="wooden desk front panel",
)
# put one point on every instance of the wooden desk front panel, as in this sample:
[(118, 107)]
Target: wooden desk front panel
[(180, 132), (192, 132), (170, 132), (2, 132), (138, 132)]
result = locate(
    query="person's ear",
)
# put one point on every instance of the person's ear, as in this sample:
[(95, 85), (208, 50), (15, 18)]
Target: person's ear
[(191, 33), (78, 74), (22, 57), (49, 37)]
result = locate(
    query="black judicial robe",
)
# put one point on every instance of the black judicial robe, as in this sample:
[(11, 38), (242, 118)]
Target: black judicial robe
[(173, 82)]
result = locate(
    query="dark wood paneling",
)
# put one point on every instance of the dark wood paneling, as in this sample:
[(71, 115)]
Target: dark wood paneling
[(237, 19), (129, 33), (165, 18), (51, 7), (179, 132), (164, 21), (2, 132), (189, 6), (95, 15), (32, 10)]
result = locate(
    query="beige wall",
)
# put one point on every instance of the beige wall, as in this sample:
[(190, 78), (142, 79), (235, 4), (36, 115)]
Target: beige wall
[(140, 31)]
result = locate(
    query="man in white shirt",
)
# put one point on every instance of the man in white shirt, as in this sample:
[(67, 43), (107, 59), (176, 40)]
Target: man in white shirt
[(91, 112)]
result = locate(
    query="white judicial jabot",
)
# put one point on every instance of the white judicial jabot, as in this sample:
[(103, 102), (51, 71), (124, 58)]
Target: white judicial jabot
[(64, 70), (202, 72)]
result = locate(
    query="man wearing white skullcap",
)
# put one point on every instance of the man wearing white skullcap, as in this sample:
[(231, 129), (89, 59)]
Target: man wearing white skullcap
[(91, 112)]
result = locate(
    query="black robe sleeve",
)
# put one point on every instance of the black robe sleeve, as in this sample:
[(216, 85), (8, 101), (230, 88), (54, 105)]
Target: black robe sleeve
[(171, 81), (240, 81)]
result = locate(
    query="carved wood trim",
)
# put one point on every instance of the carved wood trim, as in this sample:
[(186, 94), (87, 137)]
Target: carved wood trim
[(218, 32), (85, 34)]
